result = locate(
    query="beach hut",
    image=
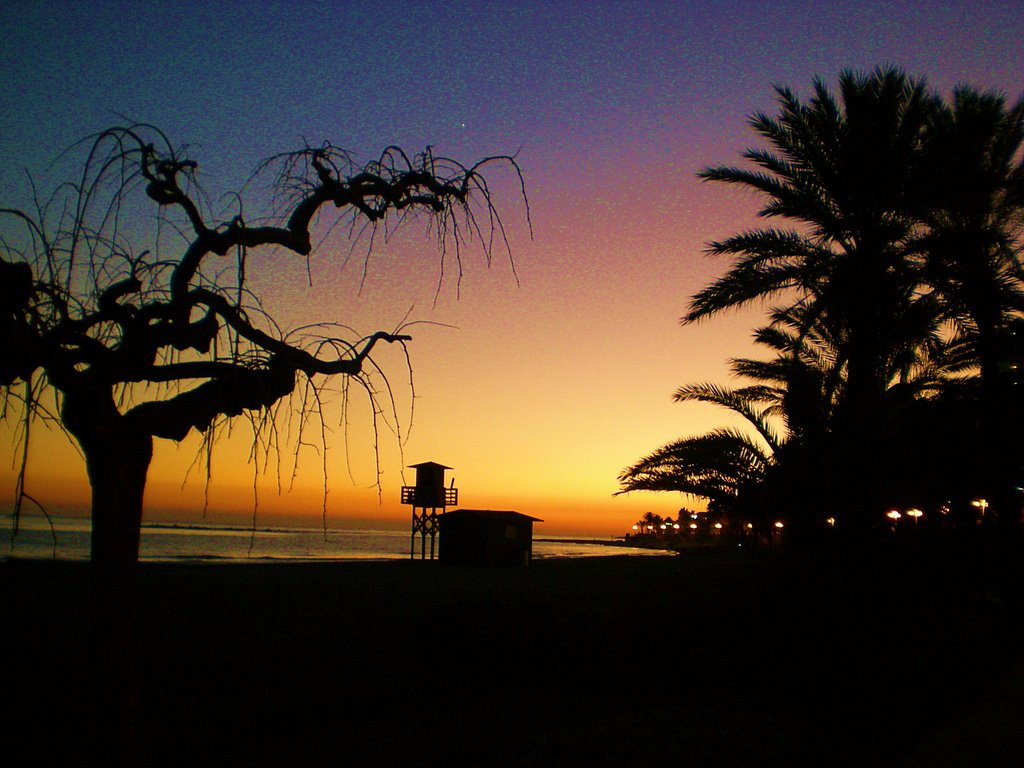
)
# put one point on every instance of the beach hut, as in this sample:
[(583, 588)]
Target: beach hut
[(486, 537)]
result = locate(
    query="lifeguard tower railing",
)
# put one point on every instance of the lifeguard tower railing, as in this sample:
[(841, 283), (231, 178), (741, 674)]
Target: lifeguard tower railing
[(429, 497)]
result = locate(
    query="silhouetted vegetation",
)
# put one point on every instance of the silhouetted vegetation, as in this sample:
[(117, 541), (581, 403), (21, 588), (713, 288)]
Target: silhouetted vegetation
[(126, 315), (121, 344), (892, 261)]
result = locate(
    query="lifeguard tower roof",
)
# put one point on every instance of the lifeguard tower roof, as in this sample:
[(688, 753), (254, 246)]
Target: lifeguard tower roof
[(428, 464)]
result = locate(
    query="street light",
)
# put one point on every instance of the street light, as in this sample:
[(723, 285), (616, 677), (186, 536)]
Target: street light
[(894, 515), (916, 514)]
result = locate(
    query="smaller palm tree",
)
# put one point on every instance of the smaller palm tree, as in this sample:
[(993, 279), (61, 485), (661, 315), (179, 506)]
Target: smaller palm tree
[(723, 466), (649, 523)]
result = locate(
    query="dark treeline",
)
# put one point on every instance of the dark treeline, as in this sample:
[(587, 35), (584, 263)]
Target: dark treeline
[(891, 265)]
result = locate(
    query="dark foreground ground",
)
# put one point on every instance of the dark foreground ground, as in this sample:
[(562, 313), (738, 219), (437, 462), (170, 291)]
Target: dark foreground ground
[(708, 658)]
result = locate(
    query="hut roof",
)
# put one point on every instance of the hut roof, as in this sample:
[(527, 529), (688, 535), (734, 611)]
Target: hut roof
[(493, 514)]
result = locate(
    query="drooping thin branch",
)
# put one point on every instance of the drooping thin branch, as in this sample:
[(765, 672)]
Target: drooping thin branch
[(160, 341)]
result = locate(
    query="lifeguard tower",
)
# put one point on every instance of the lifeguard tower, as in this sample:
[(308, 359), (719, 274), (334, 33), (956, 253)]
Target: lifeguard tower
[(426, 498)]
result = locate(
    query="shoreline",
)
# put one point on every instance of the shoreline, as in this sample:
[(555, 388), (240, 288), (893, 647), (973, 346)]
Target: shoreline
[(212, 544)]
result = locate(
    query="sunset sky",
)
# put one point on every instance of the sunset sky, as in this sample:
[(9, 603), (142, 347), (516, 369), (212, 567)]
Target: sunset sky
[(542, 391)]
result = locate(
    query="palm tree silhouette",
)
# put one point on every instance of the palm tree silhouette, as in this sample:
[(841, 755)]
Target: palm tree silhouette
[(724, 466), (844, 175), (898, 335), (973, 210)]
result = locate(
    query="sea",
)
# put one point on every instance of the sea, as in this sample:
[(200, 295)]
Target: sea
[(68, 539)]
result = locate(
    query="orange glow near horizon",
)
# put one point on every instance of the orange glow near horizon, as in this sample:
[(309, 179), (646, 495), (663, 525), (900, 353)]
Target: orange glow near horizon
[(537, 400)]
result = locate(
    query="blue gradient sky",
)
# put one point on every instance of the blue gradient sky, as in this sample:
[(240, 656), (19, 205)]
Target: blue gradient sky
[(546, 389)]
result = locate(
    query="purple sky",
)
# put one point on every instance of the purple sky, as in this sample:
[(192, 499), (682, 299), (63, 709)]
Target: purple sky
[(550, 387)]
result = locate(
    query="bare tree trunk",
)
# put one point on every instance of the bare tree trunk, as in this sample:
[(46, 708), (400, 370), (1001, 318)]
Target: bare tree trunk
[(117, 474), (118, 478), (117, 460)]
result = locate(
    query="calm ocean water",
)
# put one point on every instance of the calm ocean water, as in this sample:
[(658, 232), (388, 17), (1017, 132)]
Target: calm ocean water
[(68, 539)]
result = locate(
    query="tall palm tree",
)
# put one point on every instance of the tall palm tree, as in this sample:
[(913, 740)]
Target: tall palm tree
[(843, 174), (974, 214)]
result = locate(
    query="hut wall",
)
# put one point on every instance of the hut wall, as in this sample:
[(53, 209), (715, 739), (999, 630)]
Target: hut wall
[(470, 538)]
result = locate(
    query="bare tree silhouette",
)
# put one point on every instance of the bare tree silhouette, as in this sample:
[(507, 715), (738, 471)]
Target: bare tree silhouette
[(121, 345)]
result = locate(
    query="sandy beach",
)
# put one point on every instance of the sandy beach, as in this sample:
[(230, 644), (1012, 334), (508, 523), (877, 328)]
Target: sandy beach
[(709, 658)]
